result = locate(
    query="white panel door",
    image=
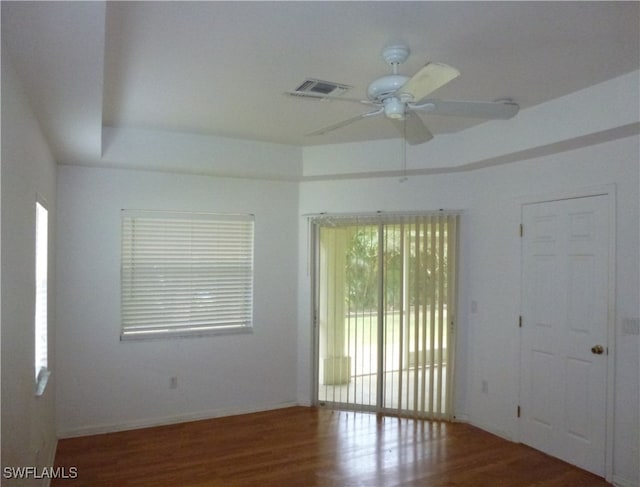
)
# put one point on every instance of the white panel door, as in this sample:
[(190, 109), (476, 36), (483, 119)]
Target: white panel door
[(565, 254)]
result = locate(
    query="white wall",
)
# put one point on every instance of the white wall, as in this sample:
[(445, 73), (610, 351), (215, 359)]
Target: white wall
[(197, 154), (28, 169), (488, 339), (105, 384)]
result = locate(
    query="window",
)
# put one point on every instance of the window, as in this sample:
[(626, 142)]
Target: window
[(41, 301), (186, 274)]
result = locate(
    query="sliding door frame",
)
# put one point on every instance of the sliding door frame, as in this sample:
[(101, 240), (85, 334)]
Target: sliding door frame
[(314, 225)]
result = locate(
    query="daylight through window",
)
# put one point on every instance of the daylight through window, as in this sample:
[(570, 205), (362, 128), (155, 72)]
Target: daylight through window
[(41, 281), (385, 302), (186, 273)]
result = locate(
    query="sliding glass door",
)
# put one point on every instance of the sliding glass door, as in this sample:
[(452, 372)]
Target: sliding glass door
[(385, 294)]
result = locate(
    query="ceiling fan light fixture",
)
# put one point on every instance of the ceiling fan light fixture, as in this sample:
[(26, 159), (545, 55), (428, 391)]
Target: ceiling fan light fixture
[(393, 108)]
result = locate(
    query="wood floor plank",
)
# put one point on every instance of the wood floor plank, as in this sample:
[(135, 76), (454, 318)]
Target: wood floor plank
[(311, 447)]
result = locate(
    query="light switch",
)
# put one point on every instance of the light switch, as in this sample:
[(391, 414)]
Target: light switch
[(631, 326)]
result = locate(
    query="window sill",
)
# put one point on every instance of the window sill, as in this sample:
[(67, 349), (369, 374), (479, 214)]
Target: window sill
[(155, 335), (42, 381)]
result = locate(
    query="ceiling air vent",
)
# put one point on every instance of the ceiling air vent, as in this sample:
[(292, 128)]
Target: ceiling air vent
[(318, 87)]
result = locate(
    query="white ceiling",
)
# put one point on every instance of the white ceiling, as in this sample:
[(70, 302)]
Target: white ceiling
[(220, 68)]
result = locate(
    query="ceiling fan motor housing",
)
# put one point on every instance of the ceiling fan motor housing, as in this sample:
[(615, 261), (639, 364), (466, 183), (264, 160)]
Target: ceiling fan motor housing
[(386, 86)]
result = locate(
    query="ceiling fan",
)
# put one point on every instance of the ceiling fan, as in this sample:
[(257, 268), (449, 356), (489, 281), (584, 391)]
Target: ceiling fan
[(399, 97)]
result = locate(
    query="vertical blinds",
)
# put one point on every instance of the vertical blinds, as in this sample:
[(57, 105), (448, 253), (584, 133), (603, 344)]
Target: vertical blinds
[(385, 301), (185, 273), (425, 305)]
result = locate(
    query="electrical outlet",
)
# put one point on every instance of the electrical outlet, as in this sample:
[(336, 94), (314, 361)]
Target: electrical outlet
[(173, 383)]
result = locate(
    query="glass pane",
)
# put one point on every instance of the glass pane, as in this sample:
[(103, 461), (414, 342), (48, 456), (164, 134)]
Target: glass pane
[(348, 315), (405, 306)]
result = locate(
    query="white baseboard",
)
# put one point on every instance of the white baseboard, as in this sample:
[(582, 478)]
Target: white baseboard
[(461, 418), (46, 482), (490, 429), (617, 480), (163, 421), (622, 482)]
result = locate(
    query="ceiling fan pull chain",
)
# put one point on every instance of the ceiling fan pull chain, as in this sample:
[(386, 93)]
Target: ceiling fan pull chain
[(403, 141)]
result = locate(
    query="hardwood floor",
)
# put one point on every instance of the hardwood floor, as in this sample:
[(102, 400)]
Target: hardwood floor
[(311, 447)]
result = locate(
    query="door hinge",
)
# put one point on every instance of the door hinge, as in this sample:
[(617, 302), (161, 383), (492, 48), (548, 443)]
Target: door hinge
[(518, 411), (521, 230), (520, 321)]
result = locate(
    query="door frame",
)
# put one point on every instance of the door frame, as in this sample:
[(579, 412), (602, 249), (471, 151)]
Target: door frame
[(313, 269), (313, 262), (608, 190)]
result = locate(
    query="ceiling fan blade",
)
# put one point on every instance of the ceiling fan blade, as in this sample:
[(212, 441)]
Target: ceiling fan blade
[(499, 110), (412, 129), (318, 96), (346, 122), (427, 80)]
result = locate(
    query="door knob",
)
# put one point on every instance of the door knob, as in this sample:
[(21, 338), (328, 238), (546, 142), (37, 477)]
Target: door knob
[(598, 349)]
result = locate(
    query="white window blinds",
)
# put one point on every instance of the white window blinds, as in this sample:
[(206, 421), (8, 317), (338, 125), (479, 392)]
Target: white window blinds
[(186, 273)]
